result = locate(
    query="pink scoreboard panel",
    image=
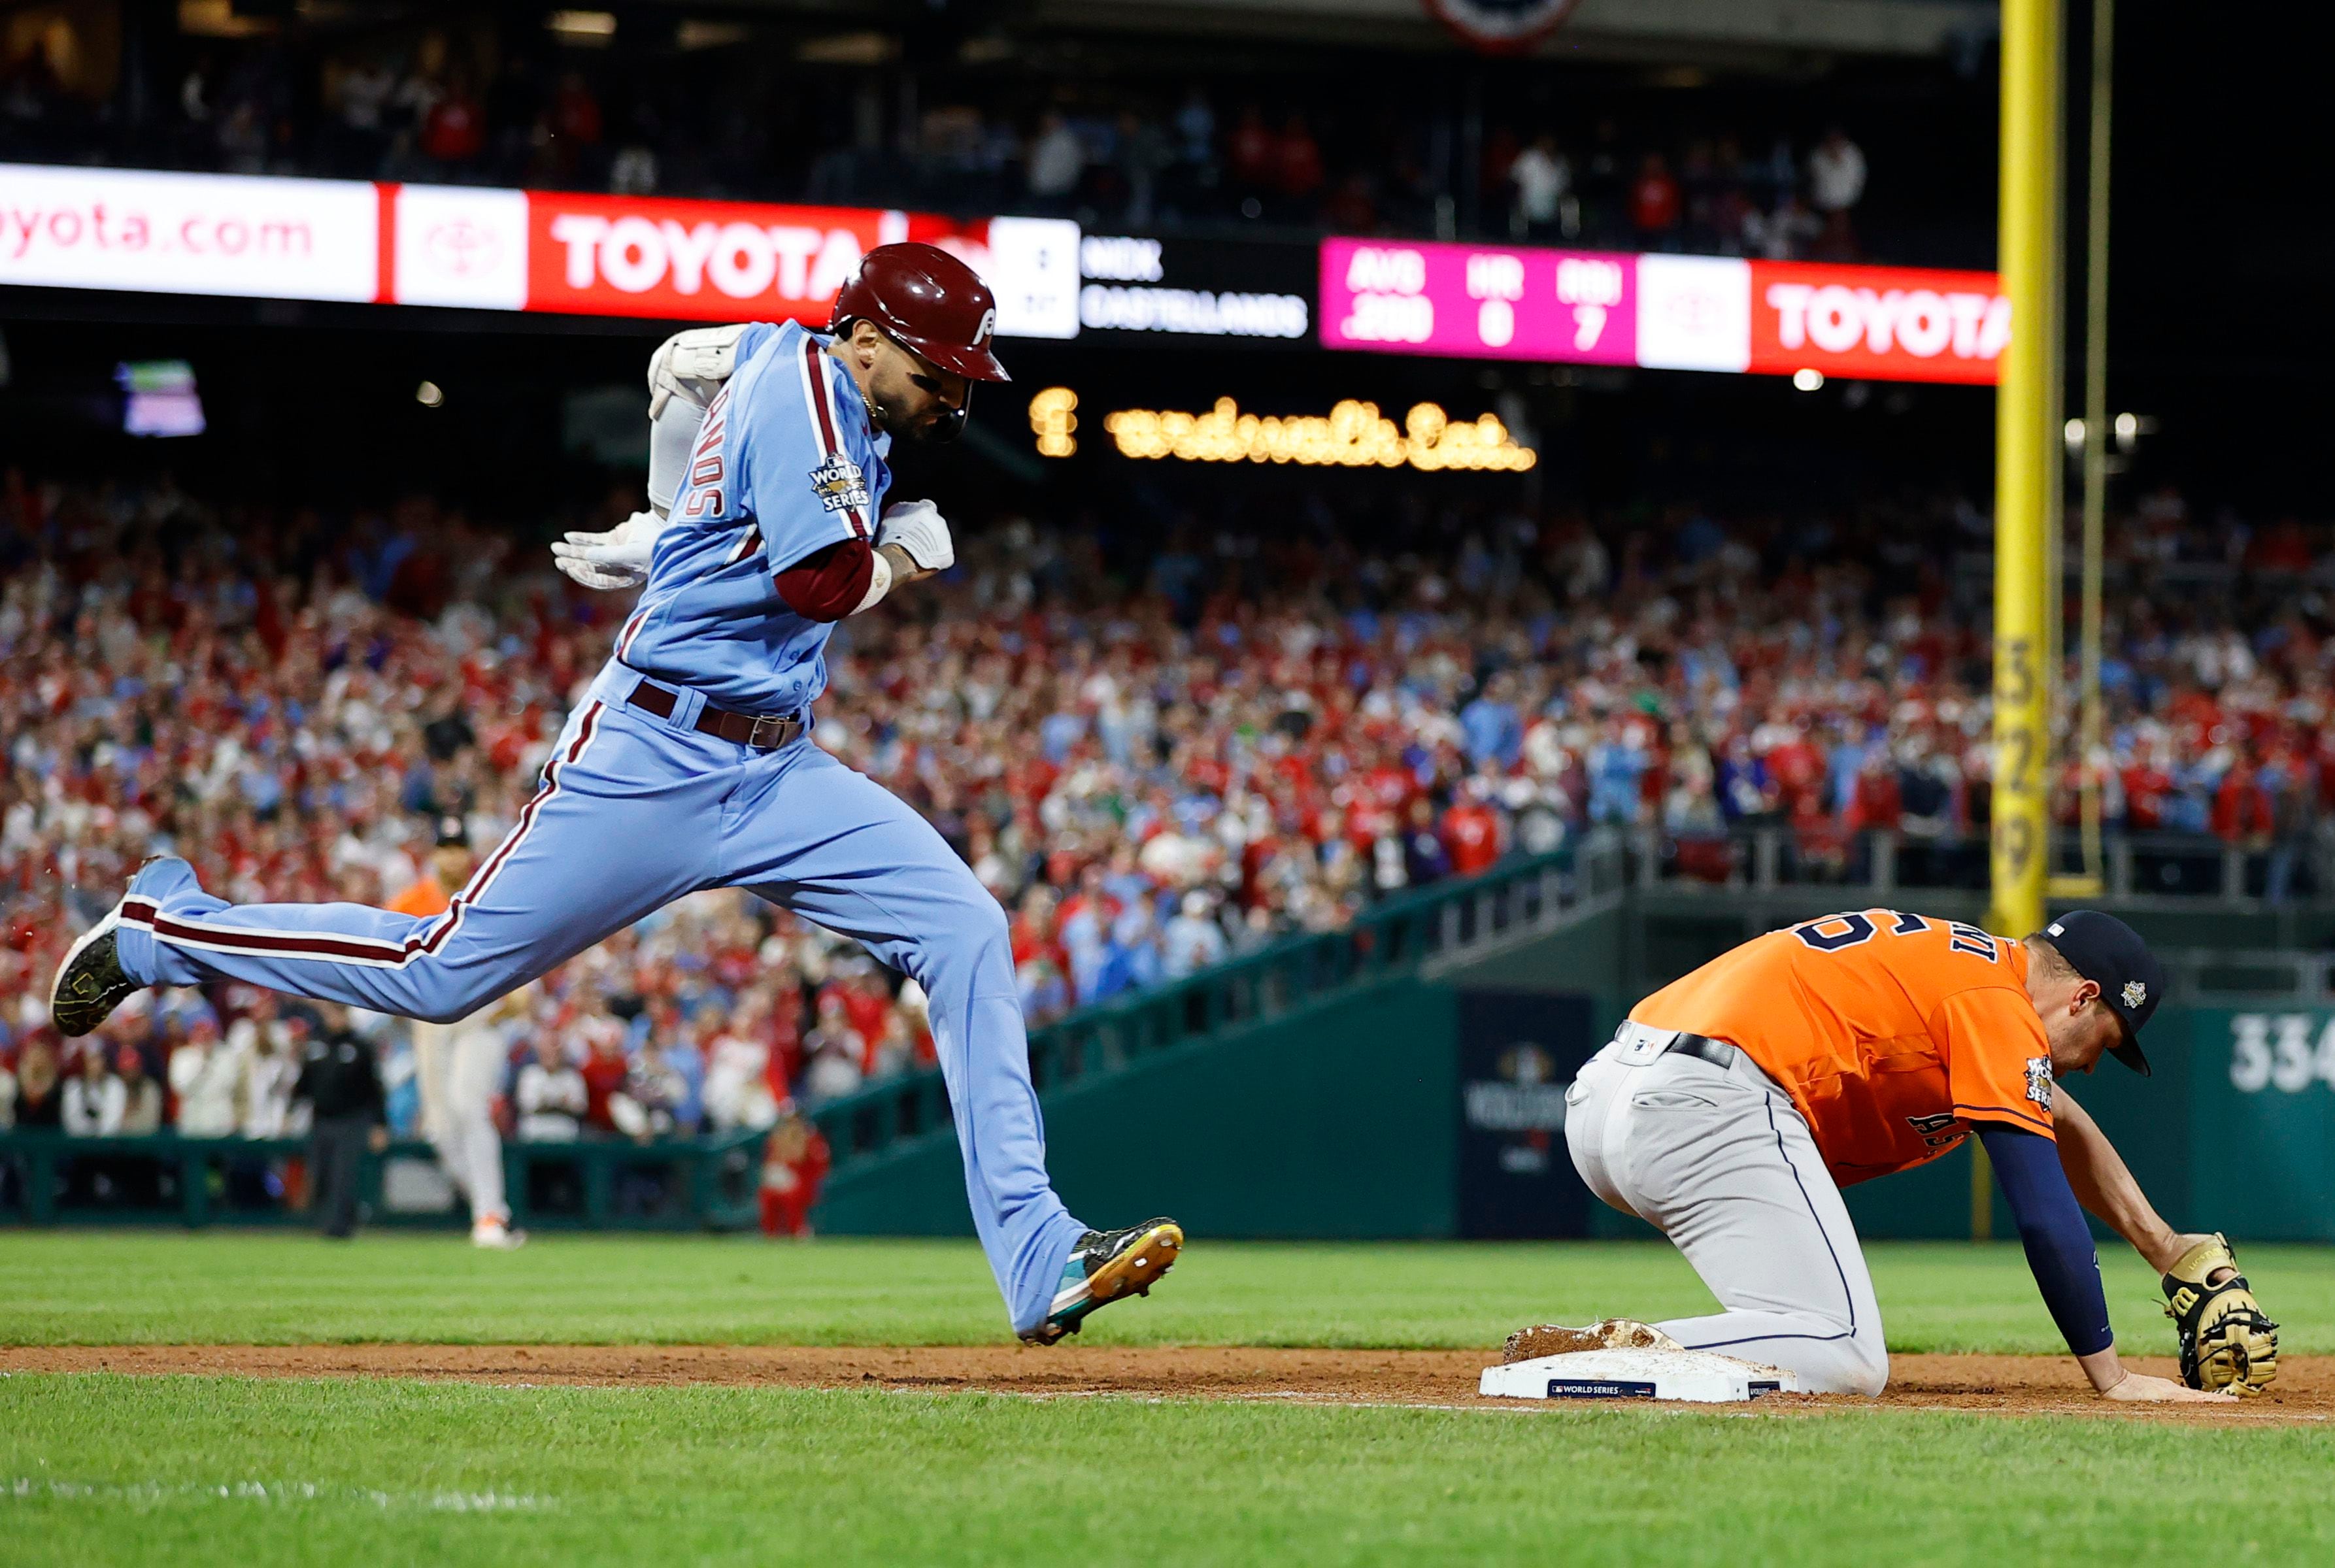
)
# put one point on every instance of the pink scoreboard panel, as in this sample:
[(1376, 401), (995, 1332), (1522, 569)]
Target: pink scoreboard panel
[(1475, 302), (1661, 311)]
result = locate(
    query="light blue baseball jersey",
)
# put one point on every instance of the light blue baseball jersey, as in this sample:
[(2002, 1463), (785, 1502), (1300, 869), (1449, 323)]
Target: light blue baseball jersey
[(785, 464)]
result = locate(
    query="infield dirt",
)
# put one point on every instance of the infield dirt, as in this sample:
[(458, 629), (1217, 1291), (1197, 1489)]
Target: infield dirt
[(2003, 1385)]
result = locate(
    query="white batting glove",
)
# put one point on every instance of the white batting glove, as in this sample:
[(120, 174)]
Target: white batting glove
[(618, 558), (917, 527)]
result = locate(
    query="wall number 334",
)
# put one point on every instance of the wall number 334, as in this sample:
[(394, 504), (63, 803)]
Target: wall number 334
[(2289, 1051)]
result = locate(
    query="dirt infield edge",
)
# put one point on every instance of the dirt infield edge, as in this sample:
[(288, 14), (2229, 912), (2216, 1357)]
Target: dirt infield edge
[(2002, 1385)]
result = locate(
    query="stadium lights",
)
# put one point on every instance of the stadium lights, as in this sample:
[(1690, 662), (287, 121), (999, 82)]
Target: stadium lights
[(583, 26), (1808, 378), (1053, 418), (429, 394), (1355, 435)]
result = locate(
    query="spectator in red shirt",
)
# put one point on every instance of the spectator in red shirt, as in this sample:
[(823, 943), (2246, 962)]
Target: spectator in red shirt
[(794, 1164), (1471, 832), (1251, 155), (2145, 786), (455, 130), (605, 1070), (1655, 204), (1799, 770), (2243, 812), (1298, 161), (1877, 805)]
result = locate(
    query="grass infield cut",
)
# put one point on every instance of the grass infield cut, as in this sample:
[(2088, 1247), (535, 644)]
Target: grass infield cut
[(202, 1470), (159, 1287), (256, 1471)]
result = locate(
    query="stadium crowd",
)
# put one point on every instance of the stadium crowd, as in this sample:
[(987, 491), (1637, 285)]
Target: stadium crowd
[(1246, 735), (511, 104)]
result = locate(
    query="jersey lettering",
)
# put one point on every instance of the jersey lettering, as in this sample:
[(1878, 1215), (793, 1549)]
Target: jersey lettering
[(1969, 939), (1854, 930), (1938, 1131), (706, 463), (1835, 931)]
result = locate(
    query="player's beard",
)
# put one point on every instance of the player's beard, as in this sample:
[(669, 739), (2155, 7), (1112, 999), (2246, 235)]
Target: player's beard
[(902, 427)]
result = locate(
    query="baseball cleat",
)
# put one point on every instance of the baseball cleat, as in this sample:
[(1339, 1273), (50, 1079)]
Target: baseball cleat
[(1609, 1335), (1105, 1266), (496, 1236), (90, 982)]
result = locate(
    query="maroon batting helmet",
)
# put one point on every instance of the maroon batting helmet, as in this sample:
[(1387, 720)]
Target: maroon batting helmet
[(928, 300)]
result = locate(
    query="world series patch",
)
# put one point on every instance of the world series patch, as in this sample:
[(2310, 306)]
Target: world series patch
[(2039, 1080), (839, 483)]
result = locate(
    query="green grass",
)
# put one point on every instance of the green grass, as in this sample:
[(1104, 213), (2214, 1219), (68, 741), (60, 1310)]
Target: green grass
[(100, 1287), (104, 1469)]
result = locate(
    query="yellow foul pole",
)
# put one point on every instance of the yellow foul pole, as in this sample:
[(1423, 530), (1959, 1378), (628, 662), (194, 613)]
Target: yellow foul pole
[(2025, 469), (2026, 457)]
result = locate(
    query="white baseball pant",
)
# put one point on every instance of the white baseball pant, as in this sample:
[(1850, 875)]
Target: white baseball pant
[(459, 1066), (1720, 1160)]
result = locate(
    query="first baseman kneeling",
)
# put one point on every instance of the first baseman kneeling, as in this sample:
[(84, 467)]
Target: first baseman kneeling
[(1735, 1103)]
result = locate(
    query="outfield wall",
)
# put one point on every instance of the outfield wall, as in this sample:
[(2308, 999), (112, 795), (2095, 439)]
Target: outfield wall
[(1334, 1121), (1432, 1106)]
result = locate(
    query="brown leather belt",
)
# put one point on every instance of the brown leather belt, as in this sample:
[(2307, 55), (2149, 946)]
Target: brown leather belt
[(764, 732)]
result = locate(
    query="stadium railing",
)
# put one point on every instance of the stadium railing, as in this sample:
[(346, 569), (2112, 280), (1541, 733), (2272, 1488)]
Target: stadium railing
[(2190, 867)]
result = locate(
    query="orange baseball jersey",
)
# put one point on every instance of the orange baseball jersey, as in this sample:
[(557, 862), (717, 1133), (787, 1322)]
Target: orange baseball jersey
[(1892, 1032)]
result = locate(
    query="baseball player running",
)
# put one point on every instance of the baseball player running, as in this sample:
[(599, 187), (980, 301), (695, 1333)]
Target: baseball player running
[(1735, 1103), (688, 766)]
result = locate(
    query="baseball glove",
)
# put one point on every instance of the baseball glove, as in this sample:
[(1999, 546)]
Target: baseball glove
[(2228, 1341)]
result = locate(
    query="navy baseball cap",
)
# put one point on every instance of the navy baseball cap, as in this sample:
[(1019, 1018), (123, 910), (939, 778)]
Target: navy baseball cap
[(2109, 954)]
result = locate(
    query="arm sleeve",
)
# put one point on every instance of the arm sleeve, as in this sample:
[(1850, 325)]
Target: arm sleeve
[(2051, 1227), (829, 583), (1998, 1063)]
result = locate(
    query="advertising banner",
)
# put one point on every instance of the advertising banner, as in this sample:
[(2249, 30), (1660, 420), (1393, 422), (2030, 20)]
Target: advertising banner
[(217, 234), (727, 261), (1881, 323), (487, 249), (1479, 302), (1518, 1050), (1694, 313)]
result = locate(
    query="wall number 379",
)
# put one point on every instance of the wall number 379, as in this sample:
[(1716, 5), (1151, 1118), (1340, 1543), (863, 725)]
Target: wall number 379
[(2280, 1050)]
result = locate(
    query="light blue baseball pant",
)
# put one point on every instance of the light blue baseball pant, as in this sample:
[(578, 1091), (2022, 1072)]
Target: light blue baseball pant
[(634, 811)]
